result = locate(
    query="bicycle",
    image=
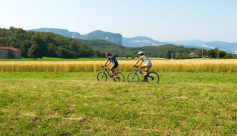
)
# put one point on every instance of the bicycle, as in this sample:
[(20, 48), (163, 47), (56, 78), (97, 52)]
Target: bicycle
[(102, 76), (152, 77)]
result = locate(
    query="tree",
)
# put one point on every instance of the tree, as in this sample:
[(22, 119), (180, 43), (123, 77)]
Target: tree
[(222, 54), (202, 51), (64, 53), (126, 56), (97, 53), (229, 56), (173, 55), (235, 56), (167, 54), (132, 57), (217, 53), (52, 48), (34, 52), (212, 53), (115, 55), (185, 55), (178, 56)]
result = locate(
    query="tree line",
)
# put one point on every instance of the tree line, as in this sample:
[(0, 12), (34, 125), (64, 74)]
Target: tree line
[(122, 51), (33, 43), (212, 53)]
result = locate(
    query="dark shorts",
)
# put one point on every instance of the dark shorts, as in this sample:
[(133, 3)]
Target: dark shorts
[(115, 65)]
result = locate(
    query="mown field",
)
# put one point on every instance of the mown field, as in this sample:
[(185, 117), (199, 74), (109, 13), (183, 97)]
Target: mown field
[(74, 103)]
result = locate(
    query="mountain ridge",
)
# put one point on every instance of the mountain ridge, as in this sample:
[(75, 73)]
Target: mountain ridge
[(140, 41)]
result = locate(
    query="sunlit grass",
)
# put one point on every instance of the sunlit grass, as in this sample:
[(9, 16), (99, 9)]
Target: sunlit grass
[(73, 103)]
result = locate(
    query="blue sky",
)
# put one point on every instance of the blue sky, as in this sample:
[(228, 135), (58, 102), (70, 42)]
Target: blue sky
[(162, 20)]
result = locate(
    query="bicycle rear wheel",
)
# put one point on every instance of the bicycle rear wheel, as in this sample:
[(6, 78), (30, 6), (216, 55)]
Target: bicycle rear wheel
[(119, 77), (132, 77), (152, 78), (101, 76)]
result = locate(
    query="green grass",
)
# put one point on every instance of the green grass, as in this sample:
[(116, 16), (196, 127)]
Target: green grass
[(76, 104), (62, 59)]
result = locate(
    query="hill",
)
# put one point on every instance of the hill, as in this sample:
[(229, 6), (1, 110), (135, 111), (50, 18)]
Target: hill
[(151, 51), (52, 45), (63, 32), (140, 41), (98, 34), (228, 47), (104, 46)]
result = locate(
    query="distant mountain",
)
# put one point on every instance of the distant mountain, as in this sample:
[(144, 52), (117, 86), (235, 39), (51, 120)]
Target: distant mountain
[(228, 47), (140, 41), (151, 51), (98, 34), (63, 32), (104, 46), (101, 35)]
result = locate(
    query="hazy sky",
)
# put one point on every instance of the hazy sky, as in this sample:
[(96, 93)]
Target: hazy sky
[(162, 20)]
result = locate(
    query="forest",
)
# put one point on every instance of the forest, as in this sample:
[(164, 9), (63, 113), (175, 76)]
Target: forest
[(50, 44)]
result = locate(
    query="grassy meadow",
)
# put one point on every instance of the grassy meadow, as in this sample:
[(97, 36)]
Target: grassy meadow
[(74, 103)]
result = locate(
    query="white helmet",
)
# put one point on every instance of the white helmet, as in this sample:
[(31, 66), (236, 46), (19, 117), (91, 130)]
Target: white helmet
[(140, 53)]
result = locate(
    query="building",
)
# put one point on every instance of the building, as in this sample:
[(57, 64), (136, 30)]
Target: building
[(9, 53), (205, 56), (193, 55)]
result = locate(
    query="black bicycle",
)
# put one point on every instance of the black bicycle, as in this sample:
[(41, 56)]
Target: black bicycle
[(102, 76), (152, 77)]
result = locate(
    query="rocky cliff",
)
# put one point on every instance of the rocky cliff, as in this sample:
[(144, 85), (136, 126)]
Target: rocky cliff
[(63, 32), (101, 35), (140, 41)]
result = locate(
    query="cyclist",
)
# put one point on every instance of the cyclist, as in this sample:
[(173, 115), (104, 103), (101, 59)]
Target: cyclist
[(147, 63), (113, 61)]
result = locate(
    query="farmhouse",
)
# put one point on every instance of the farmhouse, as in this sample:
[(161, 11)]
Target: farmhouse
[(9, 53), (193, 55)]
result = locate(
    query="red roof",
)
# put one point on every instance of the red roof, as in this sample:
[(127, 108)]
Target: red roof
[(9, 48)]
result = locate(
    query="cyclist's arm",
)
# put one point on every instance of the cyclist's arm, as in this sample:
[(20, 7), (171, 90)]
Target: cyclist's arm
[(137, 61), (141, 63), (106, 62), (109, 63)]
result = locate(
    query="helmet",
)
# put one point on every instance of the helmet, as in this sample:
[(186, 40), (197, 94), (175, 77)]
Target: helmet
[(140, 53), (107, 53)]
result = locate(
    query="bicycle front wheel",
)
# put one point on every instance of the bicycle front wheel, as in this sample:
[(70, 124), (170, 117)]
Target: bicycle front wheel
[(132, 77), (153, 78), (101, 76), (119, 77)]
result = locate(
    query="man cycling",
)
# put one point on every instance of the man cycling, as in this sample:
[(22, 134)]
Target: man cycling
[(113, 61)]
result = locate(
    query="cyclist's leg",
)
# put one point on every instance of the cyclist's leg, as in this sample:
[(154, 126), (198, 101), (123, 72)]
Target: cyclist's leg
[(148, 68), (115, 65), (142, 68)]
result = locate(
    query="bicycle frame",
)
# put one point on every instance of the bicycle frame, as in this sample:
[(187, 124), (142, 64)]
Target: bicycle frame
[(138, 70), (105, 70)]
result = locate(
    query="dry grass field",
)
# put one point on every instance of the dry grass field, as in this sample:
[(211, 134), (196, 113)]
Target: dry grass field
[(217, 66)]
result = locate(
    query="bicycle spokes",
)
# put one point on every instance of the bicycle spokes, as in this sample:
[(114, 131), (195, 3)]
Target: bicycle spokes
[(153, 78)]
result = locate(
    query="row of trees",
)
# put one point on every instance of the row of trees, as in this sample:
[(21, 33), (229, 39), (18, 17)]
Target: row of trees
[(212, 53), (49, 44)]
